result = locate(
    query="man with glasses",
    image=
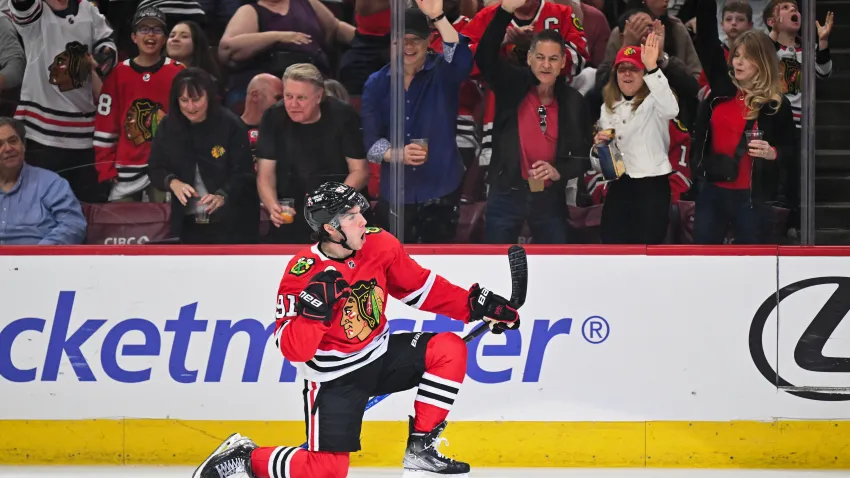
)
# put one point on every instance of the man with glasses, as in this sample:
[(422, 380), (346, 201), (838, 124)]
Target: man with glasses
[(132, 102), (542, 127), (433, 165)]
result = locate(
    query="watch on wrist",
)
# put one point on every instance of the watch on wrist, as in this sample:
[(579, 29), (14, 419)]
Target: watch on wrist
[(439, 17), (663, 59)]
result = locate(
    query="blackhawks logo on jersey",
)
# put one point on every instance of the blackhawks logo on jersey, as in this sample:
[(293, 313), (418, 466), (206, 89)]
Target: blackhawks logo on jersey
[(373, 230), (69, 69), (142, 119), (792, 75), (301, 267), (361, 314)]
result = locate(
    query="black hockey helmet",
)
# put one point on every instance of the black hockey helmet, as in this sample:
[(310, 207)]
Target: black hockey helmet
[(328, 202)]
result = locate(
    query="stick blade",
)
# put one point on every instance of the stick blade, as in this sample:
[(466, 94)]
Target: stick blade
[(519, 274)]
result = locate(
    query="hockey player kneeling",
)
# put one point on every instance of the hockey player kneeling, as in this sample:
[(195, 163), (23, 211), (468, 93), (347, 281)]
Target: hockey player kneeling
[(331, 325)]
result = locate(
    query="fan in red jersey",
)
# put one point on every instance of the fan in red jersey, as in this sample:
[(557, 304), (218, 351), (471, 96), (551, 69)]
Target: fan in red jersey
[(532, 17), (331, 324), (133, 100)]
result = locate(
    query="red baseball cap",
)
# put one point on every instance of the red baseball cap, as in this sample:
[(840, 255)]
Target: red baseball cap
[(630, 54)]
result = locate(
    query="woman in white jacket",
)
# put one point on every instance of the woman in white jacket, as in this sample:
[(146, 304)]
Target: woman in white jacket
[(639, 105)]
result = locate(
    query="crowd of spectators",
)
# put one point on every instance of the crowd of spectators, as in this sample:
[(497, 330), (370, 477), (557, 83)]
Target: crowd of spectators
[(549, 121)]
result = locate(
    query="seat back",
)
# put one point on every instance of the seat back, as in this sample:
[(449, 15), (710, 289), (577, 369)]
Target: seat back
[(127, 223)]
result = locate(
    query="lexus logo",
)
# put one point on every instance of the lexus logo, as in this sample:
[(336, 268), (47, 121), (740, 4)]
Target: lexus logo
[(808, 353)]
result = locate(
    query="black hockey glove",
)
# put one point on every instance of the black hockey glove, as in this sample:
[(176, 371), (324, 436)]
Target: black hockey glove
[(316, 301), (493, 308)]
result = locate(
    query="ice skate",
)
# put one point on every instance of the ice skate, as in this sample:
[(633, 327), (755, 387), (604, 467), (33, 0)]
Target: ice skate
[(231, 458), (422, 458)]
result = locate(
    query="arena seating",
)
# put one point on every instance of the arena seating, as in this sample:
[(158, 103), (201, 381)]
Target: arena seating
[(127, 223)]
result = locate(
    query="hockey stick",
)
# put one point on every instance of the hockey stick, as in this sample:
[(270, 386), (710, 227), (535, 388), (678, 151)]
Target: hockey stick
[(519, 286)]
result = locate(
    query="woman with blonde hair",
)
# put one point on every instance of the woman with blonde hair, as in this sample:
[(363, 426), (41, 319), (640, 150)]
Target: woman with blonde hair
[(744, 136), (639, 105)]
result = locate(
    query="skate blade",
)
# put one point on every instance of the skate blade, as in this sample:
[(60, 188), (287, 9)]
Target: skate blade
[(430, 474), (226, 443)]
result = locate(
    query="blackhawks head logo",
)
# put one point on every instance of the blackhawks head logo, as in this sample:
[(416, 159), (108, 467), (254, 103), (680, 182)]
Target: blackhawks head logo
[(143, 118), (362, 311), (629, 51), (69, 69), (792, 76)]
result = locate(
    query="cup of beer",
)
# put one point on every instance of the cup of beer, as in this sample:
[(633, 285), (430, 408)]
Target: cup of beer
[(421, 142), (535, 185), (287, 213)]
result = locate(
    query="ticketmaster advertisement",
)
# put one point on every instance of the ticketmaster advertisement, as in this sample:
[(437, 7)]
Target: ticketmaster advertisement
[(603, 338)]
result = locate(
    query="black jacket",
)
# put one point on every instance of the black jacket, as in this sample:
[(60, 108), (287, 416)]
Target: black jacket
[(511, 83), (219, 147), (769, 178)]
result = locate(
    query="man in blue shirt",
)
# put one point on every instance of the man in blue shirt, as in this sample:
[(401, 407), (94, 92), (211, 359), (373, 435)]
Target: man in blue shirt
[(432, 176), (36, 205)]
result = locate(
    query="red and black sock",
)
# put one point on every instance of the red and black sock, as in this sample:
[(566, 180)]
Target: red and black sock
[(445, 368)]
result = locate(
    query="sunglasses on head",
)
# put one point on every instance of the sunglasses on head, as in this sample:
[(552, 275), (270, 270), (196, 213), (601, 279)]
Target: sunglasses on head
[(541, 113)]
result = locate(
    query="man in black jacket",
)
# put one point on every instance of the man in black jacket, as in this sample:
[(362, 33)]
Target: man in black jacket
[(542, 128)]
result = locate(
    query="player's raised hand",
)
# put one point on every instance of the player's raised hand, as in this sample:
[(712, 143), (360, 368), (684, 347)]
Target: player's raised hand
[(316, 301), (492, 308), (431, 8), (649, 52), (510, 6)]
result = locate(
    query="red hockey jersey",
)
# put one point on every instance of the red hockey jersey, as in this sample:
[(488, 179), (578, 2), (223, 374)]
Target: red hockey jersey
[(132, 102), (679, 155), (358, 334), (549, 16), (680, 158)]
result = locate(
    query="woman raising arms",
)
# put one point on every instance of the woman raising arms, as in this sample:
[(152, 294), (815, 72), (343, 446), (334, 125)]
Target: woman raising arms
[(744, 136)]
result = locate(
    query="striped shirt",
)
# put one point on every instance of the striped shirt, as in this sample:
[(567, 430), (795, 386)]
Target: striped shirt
[(57, 105)]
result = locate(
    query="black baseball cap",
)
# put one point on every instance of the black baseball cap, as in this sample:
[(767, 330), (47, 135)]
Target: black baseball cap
[(416, 23), (149, 13)]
